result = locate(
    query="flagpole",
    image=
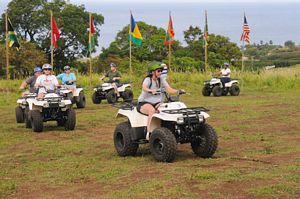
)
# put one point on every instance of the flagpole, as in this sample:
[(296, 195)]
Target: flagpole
[(51, 14), (90, 51), (130, 43), (169, 67), (206, 44), (243, 47), (7, 53)]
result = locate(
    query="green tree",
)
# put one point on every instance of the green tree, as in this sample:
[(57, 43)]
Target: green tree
[(152, 46), (23, 61), (32, 21), (289, 44)]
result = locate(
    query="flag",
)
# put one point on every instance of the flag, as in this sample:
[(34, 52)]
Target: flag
[(170, 33), (55, 32), (205, 34), (91, 35), (246, 31), (12, 36), (134, 33)]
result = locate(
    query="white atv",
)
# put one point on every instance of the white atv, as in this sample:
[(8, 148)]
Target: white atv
[(216, 87), (23, 108), (77, 96), (107, 91), (53, 107), (175, 123)]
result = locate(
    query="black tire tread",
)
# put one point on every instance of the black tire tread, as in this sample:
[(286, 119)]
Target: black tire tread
[(95, 99), (81, 103), (19, 114), (205, 91), (70, 123), (111, 97), (129, 148), (36, 120), (217, 91), (234, 90)]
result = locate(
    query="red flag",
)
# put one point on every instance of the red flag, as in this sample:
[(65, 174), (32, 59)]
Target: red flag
[(92, 27), (55, 32), (170, 33)]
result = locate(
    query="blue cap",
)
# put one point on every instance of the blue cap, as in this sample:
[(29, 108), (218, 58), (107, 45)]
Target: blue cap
[(226, 64), (37, 69)]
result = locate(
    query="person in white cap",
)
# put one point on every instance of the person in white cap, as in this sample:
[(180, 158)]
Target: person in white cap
[(225, 74)]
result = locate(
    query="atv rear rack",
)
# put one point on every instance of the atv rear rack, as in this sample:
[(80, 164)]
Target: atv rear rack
[(193, 110)]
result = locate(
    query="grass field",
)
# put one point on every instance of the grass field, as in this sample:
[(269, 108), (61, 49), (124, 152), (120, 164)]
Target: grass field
[(258, 154)]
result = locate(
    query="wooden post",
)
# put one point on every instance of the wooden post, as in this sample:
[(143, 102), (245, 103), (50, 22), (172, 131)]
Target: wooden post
[(7, 47)]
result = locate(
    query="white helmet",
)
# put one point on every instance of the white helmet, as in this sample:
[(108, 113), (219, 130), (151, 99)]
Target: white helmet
[(47, 66)]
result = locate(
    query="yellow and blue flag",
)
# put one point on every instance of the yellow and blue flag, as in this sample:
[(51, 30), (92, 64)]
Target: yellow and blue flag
[(134, 33)]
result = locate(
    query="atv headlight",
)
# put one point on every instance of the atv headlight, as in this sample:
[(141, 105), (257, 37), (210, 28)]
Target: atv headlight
[(180, 120), (24, 103), (46, 105), (61, 104), (95, 89)]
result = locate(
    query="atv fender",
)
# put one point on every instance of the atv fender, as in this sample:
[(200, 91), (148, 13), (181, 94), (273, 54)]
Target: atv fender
[(124, 87), (229, 84), (77, 91), (135, 118)]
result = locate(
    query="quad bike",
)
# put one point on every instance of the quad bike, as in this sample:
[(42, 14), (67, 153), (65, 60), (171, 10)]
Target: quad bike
[(53, 107), (23, 108), (76, 96), (107, 91), (216, 87), (175, 123)]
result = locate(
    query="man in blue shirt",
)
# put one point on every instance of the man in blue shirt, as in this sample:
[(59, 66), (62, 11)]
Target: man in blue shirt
[(68, 79)]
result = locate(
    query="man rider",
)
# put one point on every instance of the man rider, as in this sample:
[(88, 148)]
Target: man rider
[(37, 71)]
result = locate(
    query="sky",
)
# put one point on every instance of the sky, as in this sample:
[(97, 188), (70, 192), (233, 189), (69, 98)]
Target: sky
[(187, 1)]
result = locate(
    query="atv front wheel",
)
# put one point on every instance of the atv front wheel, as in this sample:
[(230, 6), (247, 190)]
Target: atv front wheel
[(71, 120), (81, 101), (163, 145), (36, 120), (217, 91), (207, 142), (224, 91), (95, 99), (111, 97), (122, 140), (206, 91), (19, 114), (234, 90), (127, 96), (27, 119)]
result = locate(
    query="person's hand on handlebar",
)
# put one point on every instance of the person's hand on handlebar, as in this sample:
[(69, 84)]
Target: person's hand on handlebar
[(181, 92)]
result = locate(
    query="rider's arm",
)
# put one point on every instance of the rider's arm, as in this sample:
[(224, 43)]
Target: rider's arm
[(171, 90), (55, 81), (23, 85), (37, 82)]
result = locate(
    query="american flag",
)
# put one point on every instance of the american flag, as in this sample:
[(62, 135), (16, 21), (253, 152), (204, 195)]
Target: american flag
[(246, 31)]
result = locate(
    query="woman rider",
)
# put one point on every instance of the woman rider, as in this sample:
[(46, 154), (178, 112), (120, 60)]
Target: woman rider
[(149, 101)]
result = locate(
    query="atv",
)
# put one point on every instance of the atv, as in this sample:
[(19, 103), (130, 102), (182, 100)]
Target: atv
[(175, 123), (107, 91), (53, 107), (218, 89), (23, 108), (77, 96)]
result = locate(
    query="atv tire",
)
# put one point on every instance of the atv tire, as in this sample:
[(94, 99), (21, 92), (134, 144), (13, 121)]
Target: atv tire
[(36, 120), (70, 123), (206, 91), (19, 114), (234, 90), (207, 144), (122, 140), (61, 122), (95, 99), (163, 145), (111, 97), (81, 101), (225, 91), (217, 91), (27, 119), (128, 96)]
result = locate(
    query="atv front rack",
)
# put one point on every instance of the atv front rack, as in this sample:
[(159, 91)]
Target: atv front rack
[(185, 111), (125, 106)]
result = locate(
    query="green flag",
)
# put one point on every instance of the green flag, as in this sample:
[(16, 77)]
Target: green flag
[(12, 36)]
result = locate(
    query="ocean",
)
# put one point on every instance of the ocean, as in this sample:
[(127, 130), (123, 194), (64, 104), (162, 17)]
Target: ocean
[(278, 22)]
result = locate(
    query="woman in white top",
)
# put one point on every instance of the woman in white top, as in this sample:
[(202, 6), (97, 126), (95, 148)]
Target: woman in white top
[(46, 81)]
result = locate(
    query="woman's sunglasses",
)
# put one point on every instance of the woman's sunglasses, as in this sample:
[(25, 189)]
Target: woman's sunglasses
[(159, 70), (47, 69)]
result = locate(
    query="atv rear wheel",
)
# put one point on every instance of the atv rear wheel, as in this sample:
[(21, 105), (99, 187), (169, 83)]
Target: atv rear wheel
[(217, 91), (19, 114), (111, 97), (95, 99), (163, 145), (206, 91), (122, 140), (224, 91), (127, 95), (207, 143), (81, 101), (234, 90), (36, 120), (70, 123)]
